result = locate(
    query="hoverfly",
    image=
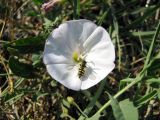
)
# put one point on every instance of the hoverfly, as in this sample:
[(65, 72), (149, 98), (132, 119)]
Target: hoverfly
[(85, 71), (82, 67)]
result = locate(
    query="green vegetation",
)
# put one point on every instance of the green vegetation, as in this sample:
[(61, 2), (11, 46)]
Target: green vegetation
[(130, 92)]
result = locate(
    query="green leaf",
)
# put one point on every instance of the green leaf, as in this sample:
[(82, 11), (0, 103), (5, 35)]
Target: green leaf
[(29, 41), (13, 97), (118, 114), (65, 103), (47, 23), (53, 83), (36, 59), (16, 84), (124, 81), (153, 80), (130, 112), (141, 33), (38, 95), (152, 44), (157, 56), (13, 51), (146, 15), (145, 98), (21, 69), (26, 45), (76, 8), (16, 95), (124, 110), (95, 117), (38, 2), (93, 100)]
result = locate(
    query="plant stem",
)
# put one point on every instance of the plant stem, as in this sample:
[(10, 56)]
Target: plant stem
[(137, 79)]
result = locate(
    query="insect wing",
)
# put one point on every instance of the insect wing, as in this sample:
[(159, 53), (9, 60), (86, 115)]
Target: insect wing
[(92, 76)]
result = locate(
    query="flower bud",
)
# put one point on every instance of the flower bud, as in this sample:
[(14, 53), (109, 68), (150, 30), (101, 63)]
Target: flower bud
[(49, 5), (70, 99)]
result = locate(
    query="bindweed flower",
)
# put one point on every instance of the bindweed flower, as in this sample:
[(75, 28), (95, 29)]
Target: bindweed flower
[(79, 54)]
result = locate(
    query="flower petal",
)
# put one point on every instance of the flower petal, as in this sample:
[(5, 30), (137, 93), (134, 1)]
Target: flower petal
[(55, 47), (88, 28), (99, 39), (100, 56), (77, 31), (86, 38), (103, 52), (65, 74), (100, 73), (65, 40)]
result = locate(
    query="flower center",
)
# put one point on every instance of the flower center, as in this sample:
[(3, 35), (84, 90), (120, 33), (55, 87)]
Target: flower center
[(76, 57)]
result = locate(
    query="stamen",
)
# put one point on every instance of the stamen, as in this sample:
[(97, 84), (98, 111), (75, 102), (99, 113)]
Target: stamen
[(75, 57)]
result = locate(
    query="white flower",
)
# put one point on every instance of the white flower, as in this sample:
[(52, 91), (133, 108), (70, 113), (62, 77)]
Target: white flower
[(74, 42)]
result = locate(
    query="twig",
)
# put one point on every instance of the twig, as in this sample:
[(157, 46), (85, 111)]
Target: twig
[(25, 3), (10, 82), (4, 23)]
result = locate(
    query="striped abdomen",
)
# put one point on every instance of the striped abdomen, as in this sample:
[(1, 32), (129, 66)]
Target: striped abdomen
[(81, 70)]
